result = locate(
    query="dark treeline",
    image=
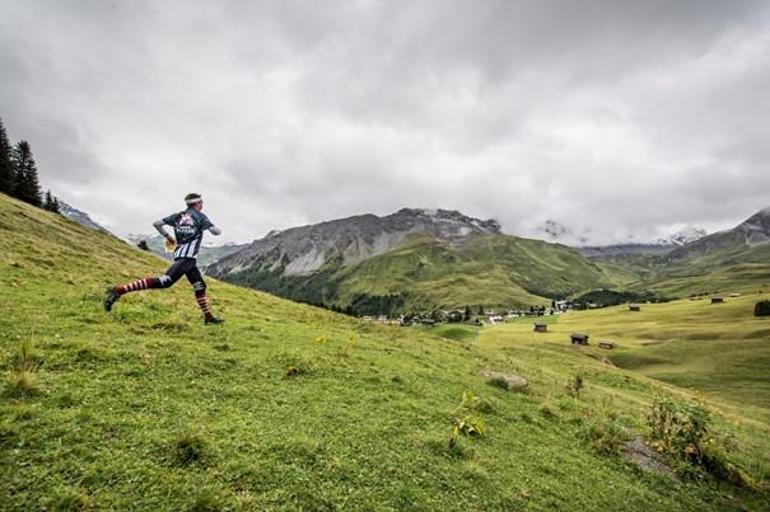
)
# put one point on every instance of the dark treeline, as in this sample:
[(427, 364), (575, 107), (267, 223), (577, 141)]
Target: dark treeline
[(18, 174)]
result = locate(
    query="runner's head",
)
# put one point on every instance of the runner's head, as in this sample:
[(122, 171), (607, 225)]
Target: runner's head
[(194, 200)]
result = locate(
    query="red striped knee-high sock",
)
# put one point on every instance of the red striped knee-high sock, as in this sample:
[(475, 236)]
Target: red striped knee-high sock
[(203, 303), (139, 284)]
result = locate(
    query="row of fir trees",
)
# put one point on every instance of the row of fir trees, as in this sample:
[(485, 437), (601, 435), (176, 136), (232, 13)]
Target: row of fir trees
[(18, 174)]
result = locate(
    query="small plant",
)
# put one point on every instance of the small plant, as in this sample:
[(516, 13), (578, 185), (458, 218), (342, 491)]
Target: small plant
[(292, 371), (464, 422), (471, 426), (575, 385)]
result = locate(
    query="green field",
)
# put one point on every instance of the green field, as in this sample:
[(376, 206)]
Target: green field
[(289, 407), (721, 350)]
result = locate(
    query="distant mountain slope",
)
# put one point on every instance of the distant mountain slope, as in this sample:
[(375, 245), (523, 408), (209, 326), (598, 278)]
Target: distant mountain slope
[(80, 217), (753, 232), (206, 256), (624, 250), (413, 258), (737, 258)]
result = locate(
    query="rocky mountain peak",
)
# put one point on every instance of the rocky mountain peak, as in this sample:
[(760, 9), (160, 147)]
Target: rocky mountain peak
[(449, 217), (683, 237), (306, 249), (756, 228), (79, 216)]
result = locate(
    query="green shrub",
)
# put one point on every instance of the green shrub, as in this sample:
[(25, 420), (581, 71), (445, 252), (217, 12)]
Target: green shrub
[(607, 435), (678, 428), (762, 308), (683, 431)]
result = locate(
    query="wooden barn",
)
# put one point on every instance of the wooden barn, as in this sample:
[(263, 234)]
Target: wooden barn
[(717, 300), (579, 338), (541, 327)]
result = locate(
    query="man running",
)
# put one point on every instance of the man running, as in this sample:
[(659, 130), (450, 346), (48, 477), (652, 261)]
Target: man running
[(189, 226)]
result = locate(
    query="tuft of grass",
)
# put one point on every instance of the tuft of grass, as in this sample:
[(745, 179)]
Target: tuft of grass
[(208, 501), (22, 384), (71, 500), (27, 359)]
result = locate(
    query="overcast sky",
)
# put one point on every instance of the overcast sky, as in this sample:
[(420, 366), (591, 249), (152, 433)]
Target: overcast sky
[(616, 119)]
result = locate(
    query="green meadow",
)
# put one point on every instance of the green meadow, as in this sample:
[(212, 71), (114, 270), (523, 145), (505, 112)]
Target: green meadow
[(289, 407)]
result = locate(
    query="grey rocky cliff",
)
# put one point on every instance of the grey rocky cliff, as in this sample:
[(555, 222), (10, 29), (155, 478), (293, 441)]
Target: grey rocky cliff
[(304, 250)]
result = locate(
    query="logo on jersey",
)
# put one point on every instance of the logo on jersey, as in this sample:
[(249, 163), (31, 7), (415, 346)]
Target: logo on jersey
[(186, 224)]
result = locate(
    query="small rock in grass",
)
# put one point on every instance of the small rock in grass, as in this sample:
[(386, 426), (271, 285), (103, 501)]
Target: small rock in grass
[(645, 457), (511, 381)]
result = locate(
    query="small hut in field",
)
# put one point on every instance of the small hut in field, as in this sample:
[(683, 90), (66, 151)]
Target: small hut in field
[(717, 300), (539, 327), (578, 338), (607, 344), (634, 307)]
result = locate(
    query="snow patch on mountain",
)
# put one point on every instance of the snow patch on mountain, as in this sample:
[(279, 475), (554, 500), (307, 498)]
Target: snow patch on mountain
[(80, 217), (684, 236)]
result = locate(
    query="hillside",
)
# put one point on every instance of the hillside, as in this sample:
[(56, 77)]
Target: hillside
[(414, 259), (736, 259), (288, 407)]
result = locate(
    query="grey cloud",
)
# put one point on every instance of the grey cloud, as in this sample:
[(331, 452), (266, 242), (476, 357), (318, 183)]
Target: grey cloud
[(617, 119)]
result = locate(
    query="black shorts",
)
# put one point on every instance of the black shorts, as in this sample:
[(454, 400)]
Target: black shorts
[(184, 267)]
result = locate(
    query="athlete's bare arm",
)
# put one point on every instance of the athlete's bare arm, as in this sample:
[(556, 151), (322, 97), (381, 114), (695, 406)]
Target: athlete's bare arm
[(158, 224)]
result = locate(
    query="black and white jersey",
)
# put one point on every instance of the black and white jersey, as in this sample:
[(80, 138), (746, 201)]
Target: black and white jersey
[(189, 226)]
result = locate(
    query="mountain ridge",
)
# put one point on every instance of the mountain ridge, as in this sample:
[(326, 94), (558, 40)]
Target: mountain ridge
[(426, 258)]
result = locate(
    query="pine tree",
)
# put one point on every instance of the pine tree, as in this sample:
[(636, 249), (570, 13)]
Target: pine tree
[(7, 174), (51, 203), (27, 187)]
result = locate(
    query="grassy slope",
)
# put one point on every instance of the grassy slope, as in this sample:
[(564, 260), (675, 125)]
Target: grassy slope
[(720, 351), (490, 270), (116, 393)]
